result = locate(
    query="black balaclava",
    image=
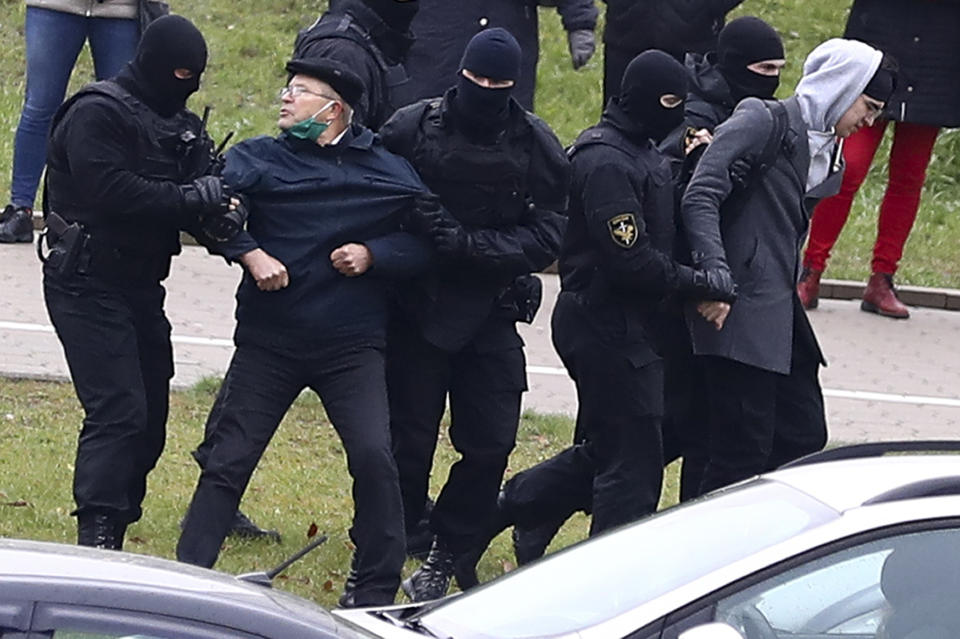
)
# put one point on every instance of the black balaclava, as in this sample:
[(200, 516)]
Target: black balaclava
[(648, 77), (397, 14), (495, 54), (744, 41), (169, 43)]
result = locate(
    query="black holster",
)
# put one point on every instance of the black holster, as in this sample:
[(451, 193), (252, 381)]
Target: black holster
[(65, 243)]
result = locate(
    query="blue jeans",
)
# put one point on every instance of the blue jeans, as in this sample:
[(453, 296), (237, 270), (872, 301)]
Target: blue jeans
[(54, 40)]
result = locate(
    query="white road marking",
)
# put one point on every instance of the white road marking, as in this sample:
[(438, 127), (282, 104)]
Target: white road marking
[(865, 396)]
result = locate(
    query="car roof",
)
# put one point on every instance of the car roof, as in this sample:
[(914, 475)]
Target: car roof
[(851, 483), (41, 571)]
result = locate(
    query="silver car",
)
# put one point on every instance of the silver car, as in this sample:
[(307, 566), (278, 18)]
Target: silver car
[(850, 544), (55, 591)]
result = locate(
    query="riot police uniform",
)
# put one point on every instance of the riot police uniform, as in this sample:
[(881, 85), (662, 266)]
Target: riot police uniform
[(616, 274), (372, 38), (454, 333), (124, 177)]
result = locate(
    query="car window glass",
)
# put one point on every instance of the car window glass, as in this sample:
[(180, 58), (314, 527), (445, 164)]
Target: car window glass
[(67, 634), (608, 576), (899, 587)]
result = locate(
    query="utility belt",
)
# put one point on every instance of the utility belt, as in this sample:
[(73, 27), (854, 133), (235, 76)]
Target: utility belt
[(71, 250)]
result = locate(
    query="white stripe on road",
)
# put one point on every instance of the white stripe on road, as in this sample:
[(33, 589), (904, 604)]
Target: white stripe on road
[(866, 396)]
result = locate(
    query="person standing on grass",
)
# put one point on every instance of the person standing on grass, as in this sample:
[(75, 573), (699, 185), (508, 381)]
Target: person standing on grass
[(55, 31), (747, 209), (922, 37), (443, 28), (324, 244), (127, 167)]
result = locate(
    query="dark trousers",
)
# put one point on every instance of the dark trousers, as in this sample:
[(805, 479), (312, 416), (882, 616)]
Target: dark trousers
[(117, 345), (760, 420), (259, 388), (484, 388), (618, 470)]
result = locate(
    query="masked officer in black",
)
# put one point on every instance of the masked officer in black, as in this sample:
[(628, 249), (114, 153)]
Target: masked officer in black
[(125, 174), (616, 273), (372, 38), (503, 177), (323, 246)]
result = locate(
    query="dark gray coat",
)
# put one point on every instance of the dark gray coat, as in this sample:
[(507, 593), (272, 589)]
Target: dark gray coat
[(923, 36), (758, 232)]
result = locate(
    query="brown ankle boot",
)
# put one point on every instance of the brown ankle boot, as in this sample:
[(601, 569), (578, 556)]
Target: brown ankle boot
[(881, 298), (808, 288)]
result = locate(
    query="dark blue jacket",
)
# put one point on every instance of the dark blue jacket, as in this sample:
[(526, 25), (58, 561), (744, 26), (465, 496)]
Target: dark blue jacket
[(443, 28), (305, 201)]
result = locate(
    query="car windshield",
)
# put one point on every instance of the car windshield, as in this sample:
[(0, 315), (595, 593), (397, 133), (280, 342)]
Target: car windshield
[(601, 578)]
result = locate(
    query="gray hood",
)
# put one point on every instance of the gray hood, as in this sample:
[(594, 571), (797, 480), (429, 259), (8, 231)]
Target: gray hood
[(834, 76)]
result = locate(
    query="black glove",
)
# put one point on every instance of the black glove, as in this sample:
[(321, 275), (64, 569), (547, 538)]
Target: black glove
[(206, 195), (582, 44), (223, 227), (713, 284), (426, 210), (448, 235)]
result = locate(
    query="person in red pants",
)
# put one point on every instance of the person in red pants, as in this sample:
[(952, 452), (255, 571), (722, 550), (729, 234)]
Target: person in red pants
[(920, 35)]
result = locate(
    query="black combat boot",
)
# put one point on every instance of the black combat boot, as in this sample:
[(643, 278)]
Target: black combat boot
[(465, 566), (348, 598), (243, 526), (431, 580), (530, 543), (16, 225), (99, 530)]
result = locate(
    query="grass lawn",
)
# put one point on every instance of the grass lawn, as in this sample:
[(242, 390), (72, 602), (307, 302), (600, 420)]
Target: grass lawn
[(251, 39), (301, 481)]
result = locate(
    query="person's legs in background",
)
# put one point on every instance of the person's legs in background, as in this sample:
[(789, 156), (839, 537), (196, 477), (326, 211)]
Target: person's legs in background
[(831, 214), (909, 158), (113, 43), (48, 71)]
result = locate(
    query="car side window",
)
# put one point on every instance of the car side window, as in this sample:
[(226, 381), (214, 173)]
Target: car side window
[(62, 621), (899, 587)]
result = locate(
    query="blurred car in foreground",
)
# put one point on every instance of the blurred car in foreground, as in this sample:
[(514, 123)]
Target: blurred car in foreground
[(55, 591), (848, 544)]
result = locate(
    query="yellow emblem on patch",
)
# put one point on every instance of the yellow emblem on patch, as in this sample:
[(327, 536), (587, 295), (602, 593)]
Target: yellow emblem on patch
[(623, 230)]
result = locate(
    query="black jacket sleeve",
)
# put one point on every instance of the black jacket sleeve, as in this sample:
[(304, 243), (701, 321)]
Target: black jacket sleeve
[(615, 223), (577, 15)]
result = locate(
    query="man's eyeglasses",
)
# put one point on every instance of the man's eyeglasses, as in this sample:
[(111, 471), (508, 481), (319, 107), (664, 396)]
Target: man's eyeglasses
[(295, 91)]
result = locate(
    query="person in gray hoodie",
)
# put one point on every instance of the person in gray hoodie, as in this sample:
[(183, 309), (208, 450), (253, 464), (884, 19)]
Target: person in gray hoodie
[(747, 210)]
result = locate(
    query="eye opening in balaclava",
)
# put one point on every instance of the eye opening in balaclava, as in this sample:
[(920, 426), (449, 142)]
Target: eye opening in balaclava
[(169, 43), (741, 43), (494, 54), (648, 78)]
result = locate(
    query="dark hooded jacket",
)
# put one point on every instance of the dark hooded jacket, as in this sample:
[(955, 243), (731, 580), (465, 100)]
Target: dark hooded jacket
[(354, 34), (922, 36), (443, 28), (674, 26)]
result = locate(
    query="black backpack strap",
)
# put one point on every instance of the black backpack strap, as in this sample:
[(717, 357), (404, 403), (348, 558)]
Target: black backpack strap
[(768, 157)]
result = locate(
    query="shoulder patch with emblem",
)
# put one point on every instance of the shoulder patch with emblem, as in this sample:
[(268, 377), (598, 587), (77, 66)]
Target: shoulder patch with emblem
[(623, 230)]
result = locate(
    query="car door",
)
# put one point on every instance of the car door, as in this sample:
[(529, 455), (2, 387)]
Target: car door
[(898, 583), (67, 621)]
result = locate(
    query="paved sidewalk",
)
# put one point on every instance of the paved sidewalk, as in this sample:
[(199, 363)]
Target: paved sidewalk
[(887, 379)]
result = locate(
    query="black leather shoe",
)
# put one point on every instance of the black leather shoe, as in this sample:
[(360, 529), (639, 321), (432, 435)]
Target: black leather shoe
[(244, 527), (16, 225), (529, 544)]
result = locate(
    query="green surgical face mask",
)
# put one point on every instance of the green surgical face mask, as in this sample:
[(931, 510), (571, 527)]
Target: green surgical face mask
[(310, 129)]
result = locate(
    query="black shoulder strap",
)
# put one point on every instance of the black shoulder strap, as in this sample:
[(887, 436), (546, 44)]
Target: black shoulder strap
[(768, 157)]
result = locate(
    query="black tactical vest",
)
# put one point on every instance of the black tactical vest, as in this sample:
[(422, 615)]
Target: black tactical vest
[(483, 186), (381, 97), (175, 149)]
